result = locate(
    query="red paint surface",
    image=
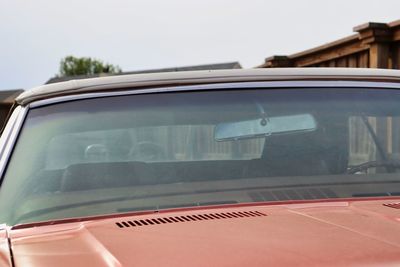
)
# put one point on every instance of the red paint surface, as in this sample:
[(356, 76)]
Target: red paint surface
[(364, 233), (5, 256)]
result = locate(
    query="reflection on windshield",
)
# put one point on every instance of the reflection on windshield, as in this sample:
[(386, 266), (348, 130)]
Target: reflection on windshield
[(147, 152)]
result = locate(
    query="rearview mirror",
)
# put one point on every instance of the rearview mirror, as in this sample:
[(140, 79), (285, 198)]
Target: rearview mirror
[(264, 127)]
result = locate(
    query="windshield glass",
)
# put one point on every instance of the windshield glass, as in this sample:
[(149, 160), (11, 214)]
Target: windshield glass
[(156, 151)]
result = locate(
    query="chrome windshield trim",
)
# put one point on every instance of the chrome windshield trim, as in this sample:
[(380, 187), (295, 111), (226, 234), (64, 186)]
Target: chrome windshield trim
[(5, 135), (10, 135), (218, 86)]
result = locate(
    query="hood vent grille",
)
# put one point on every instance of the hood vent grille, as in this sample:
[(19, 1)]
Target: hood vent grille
[(395, 205), (189, 218)]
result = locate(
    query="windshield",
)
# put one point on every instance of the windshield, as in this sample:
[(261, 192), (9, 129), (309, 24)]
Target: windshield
[(156, 151)]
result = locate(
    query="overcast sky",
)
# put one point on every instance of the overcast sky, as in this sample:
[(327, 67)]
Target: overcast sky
[(145, 34)]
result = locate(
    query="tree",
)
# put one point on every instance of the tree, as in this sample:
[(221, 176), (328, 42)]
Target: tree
[(71, 66)]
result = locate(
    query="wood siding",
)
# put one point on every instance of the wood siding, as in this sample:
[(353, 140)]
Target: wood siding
[(375, 45)]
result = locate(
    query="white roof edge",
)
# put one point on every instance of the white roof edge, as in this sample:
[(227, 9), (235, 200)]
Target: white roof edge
[(197, 77)]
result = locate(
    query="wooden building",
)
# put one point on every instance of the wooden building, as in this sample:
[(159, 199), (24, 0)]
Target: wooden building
[(375, 45)]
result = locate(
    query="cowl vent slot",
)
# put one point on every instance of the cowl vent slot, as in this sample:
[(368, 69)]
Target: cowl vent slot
[(395, 205), (189, 218)]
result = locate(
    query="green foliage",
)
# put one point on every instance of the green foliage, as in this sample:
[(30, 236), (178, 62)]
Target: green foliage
[(71, 66)]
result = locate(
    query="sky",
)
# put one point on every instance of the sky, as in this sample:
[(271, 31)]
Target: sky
[(145, 34)]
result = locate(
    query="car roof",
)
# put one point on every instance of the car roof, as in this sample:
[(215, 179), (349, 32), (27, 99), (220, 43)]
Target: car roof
[(142, 81)]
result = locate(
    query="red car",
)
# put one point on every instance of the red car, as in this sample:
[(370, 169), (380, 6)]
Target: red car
[(280, 167)]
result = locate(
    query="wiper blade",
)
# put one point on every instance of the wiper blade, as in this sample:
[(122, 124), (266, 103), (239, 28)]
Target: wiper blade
[(204, 191), (119, 199), (185, 205)]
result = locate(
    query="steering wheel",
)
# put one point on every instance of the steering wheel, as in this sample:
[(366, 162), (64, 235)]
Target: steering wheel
[(149, 151), (390, 166)]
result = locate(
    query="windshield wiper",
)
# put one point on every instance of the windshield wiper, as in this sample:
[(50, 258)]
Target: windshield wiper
[(186, 205), (102, 201), (204, 191)]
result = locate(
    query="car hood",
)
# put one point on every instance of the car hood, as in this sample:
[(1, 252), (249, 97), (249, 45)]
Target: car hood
[(364, 233)]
